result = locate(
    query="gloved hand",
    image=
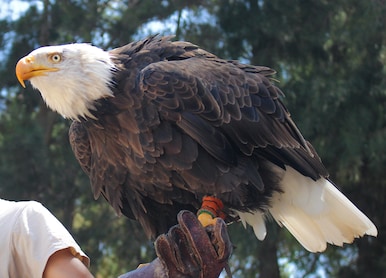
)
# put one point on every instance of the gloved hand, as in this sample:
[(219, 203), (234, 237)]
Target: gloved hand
[(188, 251)]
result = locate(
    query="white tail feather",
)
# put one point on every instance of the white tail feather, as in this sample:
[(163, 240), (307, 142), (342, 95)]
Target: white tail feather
[(315, 213), (256, 220)]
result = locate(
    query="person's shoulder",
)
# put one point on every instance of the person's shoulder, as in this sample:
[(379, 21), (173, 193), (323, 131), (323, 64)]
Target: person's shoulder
[(14, 207)]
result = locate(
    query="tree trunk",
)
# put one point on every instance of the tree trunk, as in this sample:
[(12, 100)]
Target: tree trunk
[(268, 261)]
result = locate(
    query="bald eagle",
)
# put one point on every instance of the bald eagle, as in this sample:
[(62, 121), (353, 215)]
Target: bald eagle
[(160, 124)]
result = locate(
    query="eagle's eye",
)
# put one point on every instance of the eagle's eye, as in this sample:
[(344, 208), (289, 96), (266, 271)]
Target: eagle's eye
[(55, 57)]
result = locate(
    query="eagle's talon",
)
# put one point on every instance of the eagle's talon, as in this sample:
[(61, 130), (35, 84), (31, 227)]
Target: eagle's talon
[(206, 219)]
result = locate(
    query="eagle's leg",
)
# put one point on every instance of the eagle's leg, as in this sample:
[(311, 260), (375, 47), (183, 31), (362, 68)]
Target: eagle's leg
[(211, 208)]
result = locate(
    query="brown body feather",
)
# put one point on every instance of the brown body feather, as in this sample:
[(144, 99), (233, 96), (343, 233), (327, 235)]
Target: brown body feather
[(182, 124)]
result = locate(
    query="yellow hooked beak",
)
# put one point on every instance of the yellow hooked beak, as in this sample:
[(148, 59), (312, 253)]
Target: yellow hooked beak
[(26, 68)]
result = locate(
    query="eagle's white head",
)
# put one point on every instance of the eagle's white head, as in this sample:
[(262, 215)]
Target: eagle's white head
[(69, 77)]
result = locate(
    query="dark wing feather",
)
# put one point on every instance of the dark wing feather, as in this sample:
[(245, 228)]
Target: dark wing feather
[(87, 156), (108, 170), (80, 145), (223, 105)]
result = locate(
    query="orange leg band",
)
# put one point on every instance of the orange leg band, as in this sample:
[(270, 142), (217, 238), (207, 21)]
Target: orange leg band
[(213, 206)]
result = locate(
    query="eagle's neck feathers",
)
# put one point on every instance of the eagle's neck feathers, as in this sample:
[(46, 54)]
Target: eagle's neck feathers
[(84, 76)]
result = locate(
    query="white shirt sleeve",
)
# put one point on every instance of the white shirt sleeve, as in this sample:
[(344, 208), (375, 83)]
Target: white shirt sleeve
[(29, 235)]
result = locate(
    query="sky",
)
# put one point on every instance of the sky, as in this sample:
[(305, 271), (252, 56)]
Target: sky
[(13, 8)]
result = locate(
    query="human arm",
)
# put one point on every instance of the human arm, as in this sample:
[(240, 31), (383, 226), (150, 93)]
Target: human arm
[(63, 264)]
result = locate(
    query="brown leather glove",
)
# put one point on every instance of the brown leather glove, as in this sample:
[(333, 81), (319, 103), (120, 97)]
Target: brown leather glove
[(188, 251)]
